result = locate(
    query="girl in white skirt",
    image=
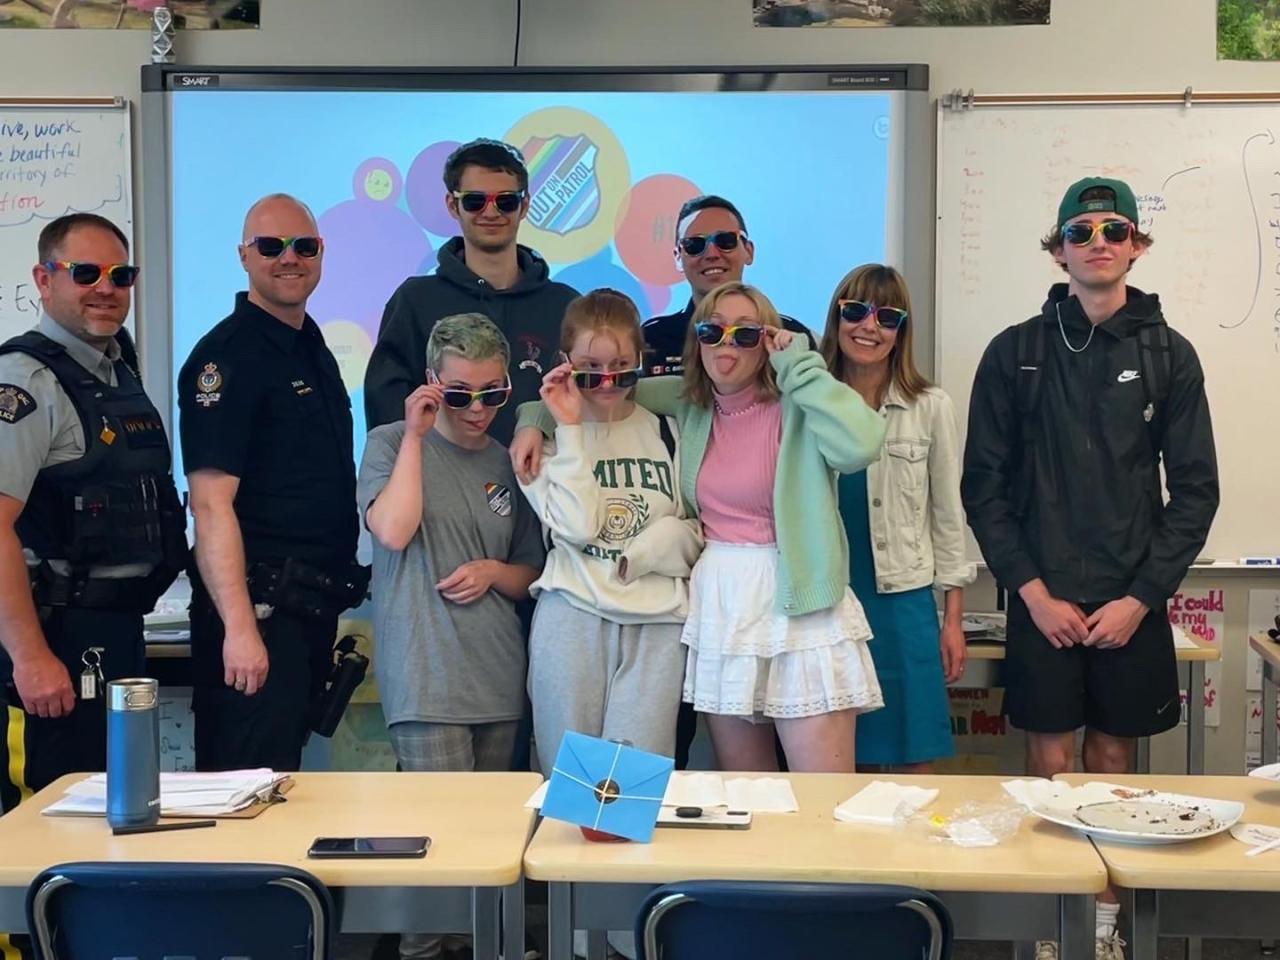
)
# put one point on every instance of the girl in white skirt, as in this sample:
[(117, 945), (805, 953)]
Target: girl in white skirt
[(774, 636)]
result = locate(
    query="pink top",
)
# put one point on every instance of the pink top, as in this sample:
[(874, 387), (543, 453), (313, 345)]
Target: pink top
[(735, 481)]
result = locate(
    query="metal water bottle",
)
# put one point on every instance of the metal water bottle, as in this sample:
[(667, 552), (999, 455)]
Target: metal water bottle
[(133, 752)]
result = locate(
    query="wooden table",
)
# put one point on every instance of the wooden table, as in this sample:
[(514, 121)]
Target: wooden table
[(477, 824), (1038, 886), (1269, 651), (985, 658), (1202, 888)]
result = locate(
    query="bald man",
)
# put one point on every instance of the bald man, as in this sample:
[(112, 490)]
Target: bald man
[(266, 432)]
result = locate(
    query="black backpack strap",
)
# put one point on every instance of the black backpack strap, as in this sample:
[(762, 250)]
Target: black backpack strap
[(668, 438), (1030, 374), (1155, 356)]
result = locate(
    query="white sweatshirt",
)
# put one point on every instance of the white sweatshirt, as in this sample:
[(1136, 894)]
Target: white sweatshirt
[(608, 492)]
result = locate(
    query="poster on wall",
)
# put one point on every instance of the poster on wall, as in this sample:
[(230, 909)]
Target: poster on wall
[(1249, 29), (1264, 611), (128, 14), (985, 742), (1201, 614), (898, 13)]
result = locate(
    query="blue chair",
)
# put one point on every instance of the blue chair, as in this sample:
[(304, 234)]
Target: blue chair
[(791, 921), (178, 911)]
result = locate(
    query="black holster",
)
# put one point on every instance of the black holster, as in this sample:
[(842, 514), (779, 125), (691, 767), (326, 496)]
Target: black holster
[(348, 672)]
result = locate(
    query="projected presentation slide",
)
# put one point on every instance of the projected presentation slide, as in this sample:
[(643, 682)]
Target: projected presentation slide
[(608, 173)]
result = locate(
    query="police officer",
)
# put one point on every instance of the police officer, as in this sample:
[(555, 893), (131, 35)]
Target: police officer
[(712, 247), (266, 431), (91, 528)]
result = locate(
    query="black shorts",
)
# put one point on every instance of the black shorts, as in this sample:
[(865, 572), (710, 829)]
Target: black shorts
[(1129, 692)]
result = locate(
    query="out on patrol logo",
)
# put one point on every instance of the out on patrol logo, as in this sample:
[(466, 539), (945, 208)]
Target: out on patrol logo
[(578, 177), (208, 383), (15, 403), (564, 192), (499, 497), (623, 519)]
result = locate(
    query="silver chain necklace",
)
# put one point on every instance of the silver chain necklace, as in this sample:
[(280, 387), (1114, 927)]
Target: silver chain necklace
[(1062, 330)]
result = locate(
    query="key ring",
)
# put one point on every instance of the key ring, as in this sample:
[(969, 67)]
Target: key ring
[(96, 662)]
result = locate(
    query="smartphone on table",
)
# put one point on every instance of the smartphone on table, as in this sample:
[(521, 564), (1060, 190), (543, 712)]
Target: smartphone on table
[(369, 847)]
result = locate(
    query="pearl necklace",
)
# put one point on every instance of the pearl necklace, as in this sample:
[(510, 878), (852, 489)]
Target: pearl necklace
[(736, 413)]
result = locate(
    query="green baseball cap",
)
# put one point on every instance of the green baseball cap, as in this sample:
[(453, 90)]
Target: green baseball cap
[(1120, 200)]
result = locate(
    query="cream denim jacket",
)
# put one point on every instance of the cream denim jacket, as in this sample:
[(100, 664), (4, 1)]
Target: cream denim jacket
[(913, 496)]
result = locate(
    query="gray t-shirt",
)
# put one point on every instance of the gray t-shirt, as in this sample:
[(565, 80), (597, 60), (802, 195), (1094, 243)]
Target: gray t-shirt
[(438, 661)]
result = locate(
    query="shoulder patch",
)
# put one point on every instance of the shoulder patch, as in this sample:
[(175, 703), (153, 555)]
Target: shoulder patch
[(15, 403), (208, 385)]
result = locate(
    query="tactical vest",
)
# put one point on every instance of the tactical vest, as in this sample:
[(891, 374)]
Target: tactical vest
[(115, 505)]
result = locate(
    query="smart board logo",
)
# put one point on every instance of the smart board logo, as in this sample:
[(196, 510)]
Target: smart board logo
[(564, 189), (196, 80)]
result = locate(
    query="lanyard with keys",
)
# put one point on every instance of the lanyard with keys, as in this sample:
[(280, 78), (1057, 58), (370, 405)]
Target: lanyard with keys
[(91, 681)]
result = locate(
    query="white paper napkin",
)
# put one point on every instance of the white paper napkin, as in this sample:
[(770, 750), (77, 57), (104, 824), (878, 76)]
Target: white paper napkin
[(761, 795), (1269, 772), (885, 803), (696, 790)]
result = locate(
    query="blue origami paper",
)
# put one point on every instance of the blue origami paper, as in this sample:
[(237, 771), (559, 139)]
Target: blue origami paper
[(607, 786)]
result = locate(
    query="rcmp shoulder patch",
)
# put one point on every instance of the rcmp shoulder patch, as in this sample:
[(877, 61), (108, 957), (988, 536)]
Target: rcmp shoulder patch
[(15, 403)]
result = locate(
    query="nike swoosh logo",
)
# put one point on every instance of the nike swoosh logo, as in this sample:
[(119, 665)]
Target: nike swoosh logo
[(1164, 708), (1127, 375)]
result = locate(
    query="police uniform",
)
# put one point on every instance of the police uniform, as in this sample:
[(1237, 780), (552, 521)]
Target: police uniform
[(102, 530), (664, 339), (265, 402)]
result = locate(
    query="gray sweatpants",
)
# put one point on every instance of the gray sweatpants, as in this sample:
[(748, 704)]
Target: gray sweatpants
[(604, 679)]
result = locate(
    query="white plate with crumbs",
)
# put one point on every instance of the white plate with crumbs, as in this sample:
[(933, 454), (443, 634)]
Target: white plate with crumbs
[(1147, 817)]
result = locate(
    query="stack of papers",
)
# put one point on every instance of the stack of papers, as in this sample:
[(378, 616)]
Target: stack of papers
[(755, 794), (181, 794)]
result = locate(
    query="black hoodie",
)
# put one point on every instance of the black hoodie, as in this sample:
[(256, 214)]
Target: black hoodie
[(528, 313), (1080, 506)]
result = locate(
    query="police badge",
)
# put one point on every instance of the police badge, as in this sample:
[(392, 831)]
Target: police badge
[(207, 383)]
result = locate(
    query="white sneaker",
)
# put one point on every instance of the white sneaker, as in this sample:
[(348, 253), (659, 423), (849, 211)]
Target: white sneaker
[(1048, 950), (1110, 947)]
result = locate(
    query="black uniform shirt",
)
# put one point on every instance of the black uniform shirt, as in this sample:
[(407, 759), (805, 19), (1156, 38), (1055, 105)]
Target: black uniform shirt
[(265, 402)]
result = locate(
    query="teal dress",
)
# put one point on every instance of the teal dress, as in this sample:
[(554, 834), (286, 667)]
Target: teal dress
[(914, 725)]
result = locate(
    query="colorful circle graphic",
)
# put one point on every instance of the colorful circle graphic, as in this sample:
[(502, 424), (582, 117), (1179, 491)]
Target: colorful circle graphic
[(601, 271), (370, 248), (377, 179), (424, 189), (351, 346), (646, 236), (578, 175)]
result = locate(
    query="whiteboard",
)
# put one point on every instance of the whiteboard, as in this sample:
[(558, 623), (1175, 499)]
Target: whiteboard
[(1207, 179), (55, 159)]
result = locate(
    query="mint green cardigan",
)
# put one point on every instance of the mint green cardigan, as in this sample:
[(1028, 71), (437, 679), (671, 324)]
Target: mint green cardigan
[(827, 429)]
